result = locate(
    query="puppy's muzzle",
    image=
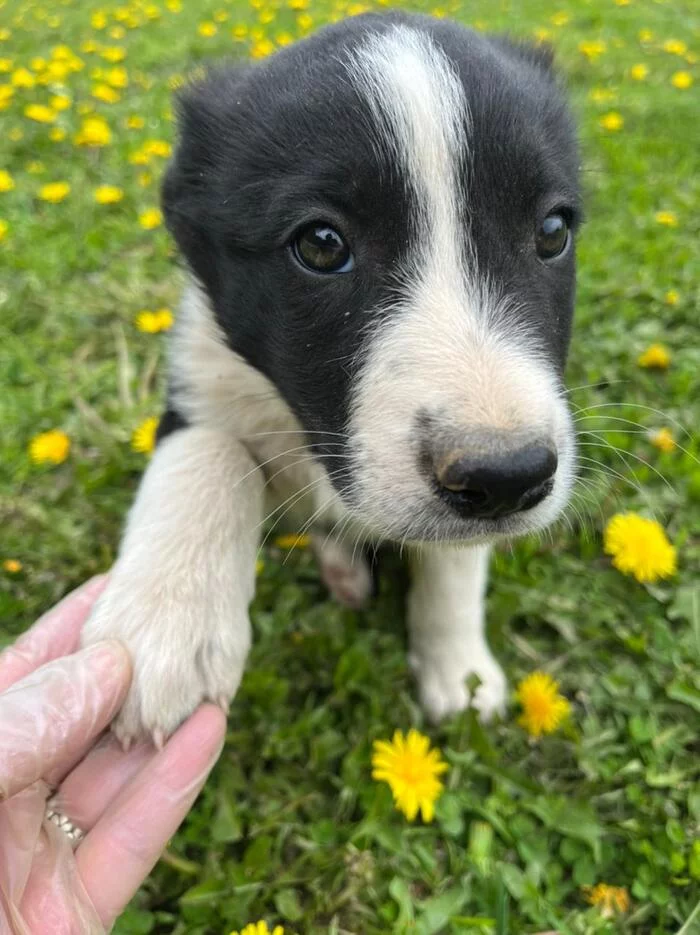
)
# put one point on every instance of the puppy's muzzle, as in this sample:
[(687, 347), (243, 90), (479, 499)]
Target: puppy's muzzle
[(492, 475)]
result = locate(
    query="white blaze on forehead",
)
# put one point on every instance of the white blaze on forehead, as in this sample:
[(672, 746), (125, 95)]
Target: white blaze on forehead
[(422, 114)]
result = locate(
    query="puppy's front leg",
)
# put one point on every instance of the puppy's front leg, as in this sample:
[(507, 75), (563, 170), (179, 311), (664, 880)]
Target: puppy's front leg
[(179, 592), (446, 626)]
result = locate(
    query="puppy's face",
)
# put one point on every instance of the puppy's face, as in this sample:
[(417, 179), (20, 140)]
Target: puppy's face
[(383, 218)]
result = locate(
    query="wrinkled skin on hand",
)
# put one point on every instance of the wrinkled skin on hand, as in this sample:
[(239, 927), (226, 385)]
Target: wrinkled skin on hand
[(55, 704)]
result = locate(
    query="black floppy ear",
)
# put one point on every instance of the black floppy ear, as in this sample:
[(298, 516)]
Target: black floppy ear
[(538, 54), (192, 189)]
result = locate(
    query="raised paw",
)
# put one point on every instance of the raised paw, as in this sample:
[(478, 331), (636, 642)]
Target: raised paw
[(186, 647)]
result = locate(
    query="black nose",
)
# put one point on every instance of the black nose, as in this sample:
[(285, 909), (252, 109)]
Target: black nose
[(489, 486)]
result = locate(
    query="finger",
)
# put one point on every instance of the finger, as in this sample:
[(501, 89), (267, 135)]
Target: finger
[(52, 716), (135, 829), (96, 781), (55, 634)]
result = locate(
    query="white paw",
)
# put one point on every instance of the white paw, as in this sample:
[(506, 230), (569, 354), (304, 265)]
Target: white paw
[(346, 575), (442, 675), (186, 647)]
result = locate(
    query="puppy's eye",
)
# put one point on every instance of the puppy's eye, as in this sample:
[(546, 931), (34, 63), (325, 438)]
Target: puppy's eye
[(320, 248), (552, 236)]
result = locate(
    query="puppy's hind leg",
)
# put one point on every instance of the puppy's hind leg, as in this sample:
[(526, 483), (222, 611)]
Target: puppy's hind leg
[(344, 570)]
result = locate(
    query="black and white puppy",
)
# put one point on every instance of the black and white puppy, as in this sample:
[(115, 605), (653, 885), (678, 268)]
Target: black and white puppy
[(379, 224)]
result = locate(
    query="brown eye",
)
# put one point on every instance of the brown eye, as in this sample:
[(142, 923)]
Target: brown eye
[(551, 237), (321, 248)]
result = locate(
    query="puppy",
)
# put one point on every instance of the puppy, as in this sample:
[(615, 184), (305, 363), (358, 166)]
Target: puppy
[(379, 226)]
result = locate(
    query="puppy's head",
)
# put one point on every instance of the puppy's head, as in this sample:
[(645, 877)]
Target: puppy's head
[(383, 217)]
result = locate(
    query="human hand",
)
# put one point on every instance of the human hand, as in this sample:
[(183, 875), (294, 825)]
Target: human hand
[(53, 707)]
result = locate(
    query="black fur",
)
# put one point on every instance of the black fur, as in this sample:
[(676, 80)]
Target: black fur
[(265, 148)]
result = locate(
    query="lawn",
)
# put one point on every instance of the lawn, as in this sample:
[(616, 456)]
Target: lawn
[(291, 827)]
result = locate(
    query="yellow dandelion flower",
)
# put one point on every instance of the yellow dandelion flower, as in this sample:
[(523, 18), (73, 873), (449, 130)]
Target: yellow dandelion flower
[(672, 297), (89, 46), (259, 928), (682, 80), (284, 38), (94, 131), (6, 65), (639, 72), (220, 16), (411, 769), (559, 19), (266, 16), (54, 192), (544, 708), (61, 52), (655, 357), (12, 566), (4, 34), (666, 218), (645, 36), (157, 148), (98, 20), (4, 228), (37, 63), (7, 183), (113, 54), (612, 121), (147, 322), (663, 440), (103, 92), (23, 78), (239, 31), (150, 218), (675, 47), (542, 34), (611, 900), (139, 158), (49, 447), (175, 6), (108, 194), (602, 95), (143, 438), (6, 94), (117, 32), (305, 21), (60, 102), (135, 122), (262, 49), (622, 2), (57, 134), (165, 319), (293, 541), (207, 29), (592, 48), (117, 77), (40, 112), (639, 547), (144, 179)]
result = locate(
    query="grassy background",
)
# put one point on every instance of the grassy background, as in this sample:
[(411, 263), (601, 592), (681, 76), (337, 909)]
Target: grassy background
[(291, 827)]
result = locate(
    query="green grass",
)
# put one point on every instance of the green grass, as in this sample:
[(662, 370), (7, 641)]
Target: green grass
[(291, 827)]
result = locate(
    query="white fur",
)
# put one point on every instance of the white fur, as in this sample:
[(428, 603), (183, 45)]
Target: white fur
[(453, 344), (180, 590), (446, 627), (179, 593)]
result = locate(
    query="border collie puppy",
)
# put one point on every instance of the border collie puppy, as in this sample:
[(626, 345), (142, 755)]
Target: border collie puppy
[(379, 227)]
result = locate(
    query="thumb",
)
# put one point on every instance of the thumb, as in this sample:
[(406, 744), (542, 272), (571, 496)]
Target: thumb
[(49, 719)]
